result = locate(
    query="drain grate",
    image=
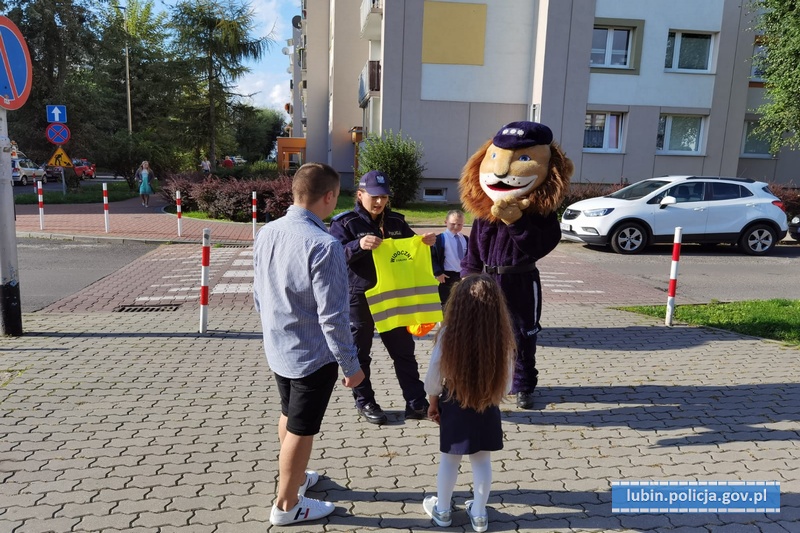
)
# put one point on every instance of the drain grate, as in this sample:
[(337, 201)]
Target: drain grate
[(147, 308)]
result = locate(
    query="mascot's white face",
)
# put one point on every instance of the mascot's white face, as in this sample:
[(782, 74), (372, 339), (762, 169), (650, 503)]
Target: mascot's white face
[(513, 173)]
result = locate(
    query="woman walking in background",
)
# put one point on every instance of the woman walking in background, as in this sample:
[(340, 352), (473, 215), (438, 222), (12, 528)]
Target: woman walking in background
[(144, 175)]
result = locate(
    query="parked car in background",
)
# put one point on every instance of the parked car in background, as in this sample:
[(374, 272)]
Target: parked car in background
[(24, 171), (53, 173), (709, 209), (83, 169), (794, 228)]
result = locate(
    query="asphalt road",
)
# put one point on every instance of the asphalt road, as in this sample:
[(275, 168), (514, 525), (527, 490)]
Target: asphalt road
[(51, 269), (722, 274)]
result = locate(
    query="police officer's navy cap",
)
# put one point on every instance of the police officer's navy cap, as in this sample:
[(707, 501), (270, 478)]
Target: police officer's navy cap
[(375, 183), (522, 134)]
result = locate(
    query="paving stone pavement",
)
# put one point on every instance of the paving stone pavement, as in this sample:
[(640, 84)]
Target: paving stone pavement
[(134, 422)]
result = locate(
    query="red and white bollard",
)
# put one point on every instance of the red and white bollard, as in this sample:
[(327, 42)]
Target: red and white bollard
[(41, 204), (178, 210), (673, 276), (105, 204), (205, 262), (254, 214)]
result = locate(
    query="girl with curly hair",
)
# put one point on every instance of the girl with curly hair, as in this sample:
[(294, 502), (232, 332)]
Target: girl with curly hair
[(469, 373)]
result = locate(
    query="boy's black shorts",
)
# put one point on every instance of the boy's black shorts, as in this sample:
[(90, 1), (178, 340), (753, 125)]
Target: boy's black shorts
[(304, 400)]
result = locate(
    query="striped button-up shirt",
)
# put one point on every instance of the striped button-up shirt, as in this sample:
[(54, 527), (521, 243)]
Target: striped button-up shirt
[(300, 291)]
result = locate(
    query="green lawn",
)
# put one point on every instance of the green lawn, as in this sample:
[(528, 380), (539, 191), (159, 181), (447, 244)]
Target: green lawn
[(771, 319)]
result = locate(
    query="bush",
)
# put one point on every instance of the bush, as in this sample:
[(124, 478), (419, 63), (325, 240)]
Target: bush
[(582, 191), (183, 182), (399, 158), (230, 199), (277, 197), (73, 180), (789, 195)]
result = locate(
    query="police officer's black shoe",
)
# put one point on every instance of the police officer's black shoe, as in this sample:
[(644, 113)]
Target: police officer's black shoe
[(417, 414), (373, 413), (525, 400)]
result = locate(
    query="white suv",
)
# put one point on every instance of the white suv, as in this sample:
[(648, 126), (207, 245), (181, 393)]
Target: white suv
[(711, 210)]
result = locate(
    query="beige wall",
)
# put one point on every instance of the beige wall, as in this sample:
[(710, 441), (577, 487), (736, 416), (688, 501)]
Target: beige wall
[(558, 81)]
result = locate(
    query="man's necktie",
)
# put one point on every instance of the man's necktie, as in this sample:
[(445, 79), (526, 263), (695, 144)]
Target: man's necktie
[(459, 247)]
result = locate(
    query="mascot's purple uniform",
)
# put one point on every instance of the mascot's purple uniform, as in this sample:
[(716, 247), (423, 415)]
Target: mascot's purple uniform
[(513, 185)]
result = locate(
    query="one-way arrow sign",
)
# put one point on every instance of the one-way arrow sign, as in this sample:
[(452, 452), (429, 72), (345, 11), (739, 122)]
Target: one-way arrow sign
[(57, 113)]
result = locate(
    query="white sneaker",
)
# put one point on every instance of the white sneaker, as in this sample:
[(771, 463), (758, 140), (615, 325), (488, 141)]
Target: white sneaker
[(479, 523), (305, 510), (440, 518), (311, 480)]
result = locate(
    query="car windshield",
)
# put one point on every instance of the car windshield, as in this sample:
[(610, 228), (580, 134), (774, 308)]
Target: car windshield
[(638, 190)]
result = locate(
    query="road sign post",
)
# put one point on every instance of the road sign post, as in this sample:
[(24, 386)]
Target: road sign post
[(15, 86)]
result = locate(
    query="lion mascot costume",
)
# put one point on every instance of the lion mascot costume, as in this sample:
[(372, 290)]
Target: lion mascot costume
[(513, 186)]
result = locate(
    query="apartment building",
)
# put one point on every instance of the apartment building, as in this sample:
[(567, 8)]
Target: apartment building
[(631, 88)]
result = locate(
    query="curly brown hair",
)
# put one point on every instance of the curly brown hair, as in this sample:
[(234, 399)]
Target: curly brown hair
[(477, 343), (545, 199)]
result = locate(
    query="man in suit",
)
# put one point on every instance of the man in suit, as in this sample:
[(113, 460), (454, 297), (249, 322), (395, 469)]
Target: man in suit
[(447, 252)]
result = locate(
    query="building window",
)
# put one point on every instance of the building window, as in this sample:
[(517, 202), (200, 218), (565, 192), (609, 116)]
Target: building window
[(602, 132), (754, 145), (430, 194), (759, 62), (688, 51), (611, 47), (679, 134)]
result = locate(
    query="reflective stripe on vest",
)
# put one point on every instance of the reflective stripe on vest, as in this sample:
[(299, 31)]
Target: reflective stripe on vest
[(407, 293)]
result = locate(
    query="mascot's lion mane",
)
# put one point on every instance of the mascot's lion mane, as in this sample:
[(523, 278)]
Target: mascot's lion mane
[(544, 199)]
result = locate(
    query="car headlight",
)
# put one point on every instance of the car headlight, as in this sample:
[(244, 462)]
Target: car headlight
[(598, 212), (796, 220)]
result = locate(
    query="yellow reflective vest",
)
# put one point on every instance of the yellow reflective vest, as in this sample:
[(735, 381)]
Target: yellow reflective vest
[(406, 293)]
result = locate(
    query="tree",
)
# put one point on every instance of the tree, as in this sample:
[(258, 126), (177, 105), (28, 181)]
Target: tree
[(256, 130), (214, 39), (779, 121), (399, 157), (61, 45)]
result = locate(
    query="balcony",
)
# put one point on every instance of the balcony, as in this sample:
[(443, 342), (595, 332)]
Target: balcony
[(371, 19), (369, 82)]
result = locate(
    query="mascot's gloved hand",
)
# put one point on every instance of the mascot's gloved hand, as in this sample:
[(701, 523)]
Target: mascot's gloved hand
[(509, 210)]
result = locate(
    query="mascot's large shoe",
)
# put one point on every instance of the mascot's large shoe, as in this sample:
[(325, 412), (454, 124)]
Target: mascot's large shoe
[(525, 400)]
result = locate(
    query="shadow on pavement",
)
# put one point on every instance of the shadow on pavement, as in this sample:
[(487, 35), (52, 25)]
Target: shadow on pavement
[(627, 339), (716, 414)]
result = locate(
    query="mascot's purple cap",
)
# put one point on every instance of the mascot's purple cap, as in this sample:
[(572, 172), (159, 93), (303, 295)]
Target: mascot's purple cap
[(522, 135), (375, 182)]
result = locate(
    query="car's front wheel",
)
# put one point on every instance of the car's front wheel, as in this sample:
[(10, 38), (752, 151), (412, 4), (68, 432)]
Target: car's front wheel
[(629, 238), (758, 240), (23, 180)]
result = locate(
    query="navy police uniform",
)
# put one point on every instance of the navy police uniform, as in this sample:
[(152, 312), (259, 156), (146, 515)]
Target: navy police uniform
[(349, 228)]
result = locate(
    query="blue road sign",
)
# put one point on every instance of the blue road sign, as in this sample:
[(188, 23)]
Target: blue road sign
[(16, 71), (57, 113), (57, 133)]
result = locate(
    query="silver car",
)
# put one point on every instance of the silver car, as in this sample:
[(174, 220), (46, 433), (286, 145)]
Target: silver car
[(24, 171)]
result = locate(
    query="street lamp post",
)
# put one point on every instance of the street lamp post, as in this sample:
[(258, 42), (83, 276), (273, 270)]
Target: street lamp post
[(128, 86), (127, 73)]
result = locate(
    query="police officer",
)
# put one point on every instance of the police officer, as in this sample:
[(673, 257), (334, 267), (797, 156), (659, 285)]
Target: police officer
[(361, 231)]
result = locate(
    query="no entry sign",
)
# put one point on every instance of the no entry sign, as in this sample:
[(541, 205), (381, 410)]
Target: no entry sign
[(16, 72)]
